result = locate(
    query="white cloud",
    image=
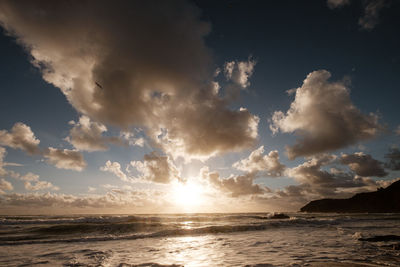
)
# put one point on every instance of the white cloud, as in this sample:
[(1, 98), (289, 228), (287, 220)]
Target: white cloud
[(324, 116), (131, 139), (20, 137), (39, 185), (65, 159), (91, 189), (5, 186), (115, 168), (30, 177), (156, 168), (32, 182), (34, 202), (240, 71), (4, 172), (235, 186), (258, 162), (87, 135)]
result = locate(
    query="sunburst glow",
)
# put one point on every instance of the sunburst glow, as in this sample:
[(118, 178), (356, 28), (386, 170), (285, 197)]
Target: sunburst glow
[(188, 194)]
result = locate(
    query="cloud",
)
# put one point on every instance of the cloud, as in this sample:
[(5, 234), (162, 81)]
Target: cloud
[(30, 177), (310, 171), (316, 182), (156, 168), (32, 202), (257, 162), (20, 137), (131, 140), (4, 172), (203, 131), (167, 88), (239, 71), (115, 168), (393, 159), (363, 164), (5, 186), (397, 131), (32, 183), (39, 185), (324, 116), (371, 13), (91, 189), (87, 135), (65, 159), (372, 9), (3, 152), (337, 3), (234, 185)]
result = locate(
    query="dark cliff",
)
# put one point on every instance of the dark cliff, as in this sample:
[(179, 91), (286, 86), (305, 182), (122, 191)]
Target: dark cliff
[(382, 200)]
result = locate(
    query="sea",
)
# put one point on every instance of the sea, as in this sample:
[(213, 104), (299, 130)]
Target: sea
[(249, 239)]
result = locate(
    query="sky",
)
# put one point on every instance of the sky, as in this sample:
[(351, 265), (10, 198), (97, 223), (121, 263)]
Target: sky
[(196, 106)]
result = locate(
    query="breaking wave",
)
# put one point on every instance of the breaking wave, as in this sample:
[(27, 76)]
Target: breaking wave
[(19, 230)]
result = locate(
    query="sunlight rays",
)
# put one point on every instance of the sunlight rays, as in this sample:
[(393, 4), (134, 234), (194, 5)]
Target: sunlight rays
[(188, 195)]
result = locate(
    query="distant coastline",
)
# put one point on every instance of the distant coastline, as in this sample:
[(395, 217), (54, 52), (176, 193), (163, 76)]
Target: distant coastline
[(384, 200)]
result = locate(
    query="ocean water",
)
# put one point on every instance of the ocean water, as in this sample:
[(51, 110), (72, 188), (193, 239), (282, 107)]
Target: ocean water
[(199, 240)]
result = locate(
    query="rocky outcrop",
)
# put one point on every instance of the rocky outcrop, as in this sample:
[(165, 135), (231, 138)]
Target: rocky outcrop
[(380, 201)]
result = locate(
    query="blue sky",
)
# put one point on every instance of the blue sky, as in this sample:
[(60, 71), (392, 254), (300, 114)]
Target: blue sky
[(279, 42)]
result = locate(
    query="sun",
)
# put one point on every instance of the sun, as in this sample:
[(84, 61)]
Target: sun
[(188, 194)]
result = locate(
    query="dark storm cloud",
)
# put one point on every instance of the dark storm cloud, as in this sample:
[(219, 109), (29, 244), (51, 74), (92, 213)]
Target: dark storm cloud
[(320, 182), (393, 159), (363, 164), (141, 63)]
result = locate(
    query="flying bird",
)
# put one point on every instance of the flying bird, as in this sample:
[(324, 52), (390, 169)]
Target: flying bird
[(101, 87)]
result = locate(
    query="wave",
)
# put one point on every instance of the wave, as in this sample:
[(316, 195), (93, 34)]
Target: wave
[(40, 229), (28, 220), (162, 233), (129, 231), (20, 220)]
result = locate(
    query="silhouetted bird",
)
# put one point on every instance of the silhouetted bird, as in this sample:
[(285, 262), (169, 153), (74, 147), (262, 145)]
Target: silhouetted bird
[(98, 85)]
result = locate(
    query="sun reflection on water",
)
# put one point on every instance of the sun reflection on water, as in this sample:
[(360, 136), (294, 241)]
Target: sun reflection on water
[(194, 251), (187, 225)]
